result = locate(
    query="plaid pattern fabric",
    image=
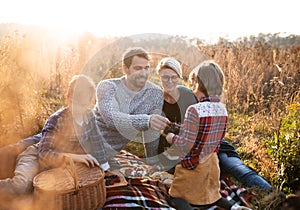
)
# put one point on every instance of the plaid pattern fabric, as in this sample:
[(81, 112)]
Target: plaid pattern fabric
[(203, 129), (139, 194), (127, 159), (61, 136), (146, 193), (236, 195), (233, 193), (92, 141)]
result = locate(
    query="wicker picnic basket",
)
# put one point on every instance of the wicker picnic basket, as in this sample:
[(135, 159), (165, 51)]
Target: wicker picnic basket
[(72, 187)]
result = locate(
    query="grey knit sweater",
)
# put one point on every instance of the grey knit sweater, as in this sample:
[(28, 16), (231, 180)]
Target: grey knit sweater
[(122, 114)]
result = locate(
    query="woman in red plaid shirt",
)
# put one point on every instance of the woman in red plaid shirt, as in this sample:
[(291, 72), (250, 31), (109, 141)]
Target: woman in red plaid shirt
[(196, 178)]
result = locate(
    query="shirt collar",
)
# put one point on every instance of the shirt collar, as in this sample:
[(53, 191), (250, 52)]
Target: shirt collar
[(211, 99)]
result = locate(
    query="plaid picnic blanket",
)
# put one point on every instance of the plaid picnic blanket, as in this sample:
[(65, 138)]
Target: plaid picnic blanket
[(236, 195), (143, 192), (125, 159)]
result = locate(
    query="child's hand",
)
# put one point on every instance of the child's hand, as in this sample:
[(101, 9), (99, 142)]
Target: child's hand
[(169, 137), (87, 159)]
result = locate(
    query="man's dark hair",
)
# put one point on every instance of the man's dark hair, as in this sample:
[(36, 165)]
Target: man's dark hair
[(134, 51)]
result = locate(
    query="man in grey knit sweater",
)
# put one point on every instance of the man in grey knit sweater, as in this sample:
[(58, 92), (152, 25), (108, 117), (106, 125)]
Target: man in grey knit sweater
[(131, 105)]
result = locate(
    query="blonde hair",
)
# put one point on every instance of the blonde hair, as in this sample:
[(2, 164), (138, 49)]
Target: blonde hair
[(80, 81), (210, 78)]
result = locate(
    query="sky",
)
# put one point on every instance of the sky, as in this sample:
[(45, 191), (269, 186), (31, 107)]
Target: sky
[(207, 19)]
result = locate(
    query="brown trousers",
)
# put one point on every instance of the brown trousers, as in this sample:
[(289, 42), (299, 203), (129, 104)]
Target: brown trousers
[(8, 158)]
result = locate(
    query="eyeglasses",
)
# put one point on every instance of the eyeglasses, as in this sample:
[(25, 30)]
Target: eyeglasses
[(166, 78)]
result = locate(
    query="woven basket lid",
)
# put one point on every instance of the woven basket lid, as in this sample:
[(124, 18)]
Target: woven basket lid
[(59, 179)]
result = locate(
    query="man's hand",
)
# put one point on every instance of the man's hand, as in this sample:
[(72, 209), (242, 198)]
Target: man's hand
[(158, 122)]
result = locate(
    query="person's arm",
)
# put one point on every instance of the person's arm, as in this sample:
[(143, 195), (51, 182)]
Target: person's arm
[(48, 156), (30, 140), (108, 108), (152, 135), (189, 132), (92, 142)]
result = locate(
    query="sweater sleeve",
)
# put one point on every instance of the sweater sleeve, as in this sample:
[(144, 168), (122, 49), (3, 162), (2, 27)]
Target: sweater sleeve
[(108, 110), (152, 136)]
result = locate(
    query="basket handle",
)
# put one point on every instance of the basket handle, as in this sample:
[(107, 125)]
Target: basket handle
[(70, 165)]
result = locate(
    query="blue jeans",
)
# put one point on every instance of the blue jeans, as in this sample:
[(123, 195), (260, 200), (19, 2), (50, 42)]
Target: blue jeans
[(235, 167)]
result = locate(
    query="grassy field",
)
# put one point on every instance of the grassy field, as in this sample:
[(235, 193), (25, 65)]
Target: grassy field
[(262, 90)]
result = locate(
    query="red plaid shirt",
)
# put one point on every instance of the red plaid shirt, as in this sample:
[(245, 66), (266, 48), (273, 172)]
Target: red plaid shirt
[(203, 129)]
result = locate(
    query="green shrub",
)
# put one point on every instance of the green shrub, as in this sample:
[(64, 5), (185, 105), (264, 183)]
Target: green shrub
[(284, 148)]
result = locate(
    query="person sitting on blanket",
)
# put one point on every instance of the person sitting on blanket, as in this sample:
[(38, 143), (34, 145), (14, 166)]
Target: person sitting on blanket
[(71, 131), (196, 178), (130, 106), (177, 99), (57, 140)]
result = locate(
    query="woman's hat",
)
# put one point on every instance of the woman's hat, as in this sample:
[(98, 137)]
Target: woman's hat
[(170, 63)]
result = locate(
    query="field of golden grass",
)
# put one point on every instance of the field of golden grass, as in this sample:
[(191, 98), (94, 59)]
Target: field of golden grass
[(262, 78)]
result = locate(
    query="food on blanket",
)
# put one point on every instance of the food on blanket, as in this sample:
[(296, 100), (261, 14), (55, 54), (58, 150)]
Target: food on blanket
[(168, 181), (136, 171), (112, 179), (164, 176), (156, 175)]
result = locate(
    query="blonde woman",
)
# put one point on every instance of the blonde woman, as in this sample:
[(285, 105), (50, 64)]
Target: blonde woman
[(177, 98)]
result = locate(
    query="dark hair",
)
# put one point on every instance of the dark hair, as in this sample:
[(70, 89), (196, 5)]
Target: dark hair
[(134, 51)]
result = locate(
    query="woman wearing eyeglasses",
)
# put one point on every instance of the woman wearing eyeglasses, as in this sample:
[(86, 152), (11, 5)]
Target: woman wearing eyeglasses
[(176, 97)]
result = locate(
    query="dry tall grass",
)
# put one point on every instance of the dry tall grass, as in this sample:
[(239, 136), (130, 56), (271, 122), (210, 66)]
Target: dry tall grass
[(261, 80)]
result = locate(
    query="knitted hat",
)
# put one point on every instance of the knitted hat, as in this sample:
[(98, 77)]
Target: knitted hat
[(170, 63)]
